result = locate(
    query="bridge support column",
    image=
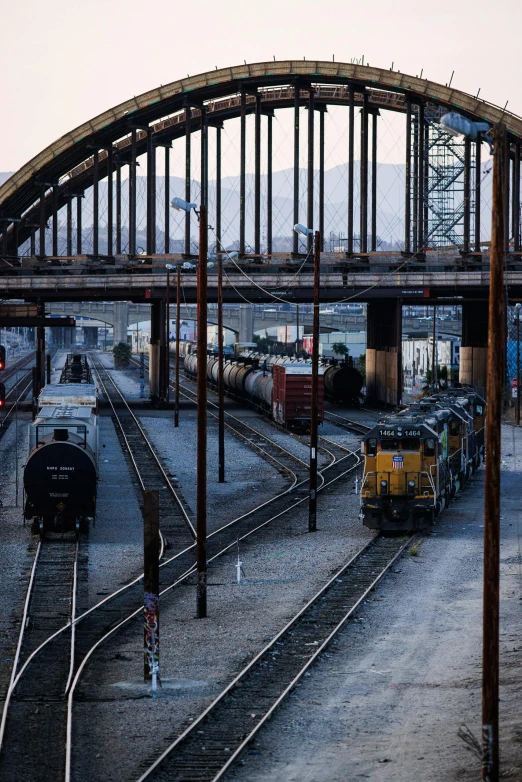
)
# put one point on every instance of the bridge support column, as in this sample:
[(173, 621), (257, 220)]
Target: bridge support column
[(384, 351), (246, 323), (90, 336), (188, 130), (474, 347), (295, 248), (157, 356), (242, 176), (121, 320), (349, 247)]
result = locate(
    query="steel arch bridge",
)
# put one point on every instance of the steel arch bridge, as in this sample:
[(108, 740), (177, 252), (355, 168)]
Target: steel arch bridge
[(47, 194)]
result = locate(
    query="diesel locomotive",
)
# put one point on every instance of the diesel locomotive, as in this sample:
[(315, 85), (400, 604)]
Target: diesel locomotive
[(417, 460)]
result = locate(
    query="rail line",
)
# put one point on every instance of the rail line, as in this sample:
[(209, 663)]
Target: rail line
[(175, 515), (50, 602), (102, 621), (216, 739), (346, 423)]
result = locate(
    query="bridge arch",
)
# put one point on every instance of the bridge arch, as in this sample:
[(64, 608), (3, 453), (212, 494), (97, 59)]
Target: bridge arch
[(59, 175)]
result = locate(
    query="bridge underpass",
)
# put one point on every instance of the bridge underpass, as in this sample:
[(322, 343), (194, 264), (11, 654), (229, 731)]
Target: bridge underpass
[(73, 227)]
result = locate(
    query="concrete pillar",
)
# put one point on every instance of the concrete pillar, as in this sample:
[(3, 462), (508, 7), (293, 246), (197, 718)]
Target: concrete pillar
[(246, 323), (474, 346), (69, 336), (384, 351), (121, 319), (90, 336), (157, 356)]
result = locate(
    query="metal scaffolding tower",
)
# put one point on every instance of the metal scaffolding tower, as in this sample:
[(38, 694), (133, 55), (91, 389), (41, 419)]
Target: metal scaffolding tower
[(444, 189)]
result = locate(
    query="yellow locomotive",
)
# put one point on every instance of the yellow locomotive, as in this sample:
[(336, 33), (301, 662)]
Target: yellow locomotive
[(416, 461)]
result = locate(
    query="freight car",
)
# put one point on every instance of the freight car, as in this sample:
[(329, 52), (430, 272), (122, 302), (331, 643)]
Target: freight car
[(60, 477), (76, 369), (282, 391), (343, 383), (416, 461)]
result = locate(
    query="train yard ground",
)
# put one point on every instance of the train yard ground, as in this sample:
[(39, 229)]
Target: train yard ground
[(385, 701)]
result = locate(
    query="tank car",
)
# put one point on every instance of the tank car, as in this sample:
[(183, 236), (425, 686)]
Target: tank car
[(343, 383), (60, 477)]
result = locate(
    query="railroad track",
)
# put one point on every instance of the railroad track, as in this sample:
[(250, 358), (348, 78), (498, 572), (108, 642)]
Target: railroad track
[(25, 737), (346, 423), (206, 749), (176, 521), (17, 391), (54, 739), (126, 605)]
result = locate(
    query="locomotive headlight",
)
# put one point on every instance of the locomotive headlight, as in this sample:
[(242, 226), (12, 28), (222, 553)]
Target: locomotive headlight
[(384, 487), (411, 484)]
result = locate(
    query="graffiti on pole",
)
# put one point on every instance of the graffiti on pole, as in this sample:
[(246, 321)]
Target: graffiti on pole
[(151, 626)]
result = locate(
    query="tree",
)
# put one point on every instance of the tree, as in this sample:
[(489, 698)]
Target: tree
[(122, 354), (339, 349), (361, 364)]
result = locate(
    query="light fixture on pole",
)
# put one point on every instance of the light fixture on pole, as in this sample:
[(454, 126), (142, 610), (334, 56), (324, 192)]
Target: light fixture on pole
[(457, 125), (183, 206), (498, 142), (312, 503)]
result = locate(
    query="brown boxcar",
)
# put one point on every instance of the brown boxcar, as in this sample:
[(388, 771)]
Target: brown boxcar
[(292, 395)]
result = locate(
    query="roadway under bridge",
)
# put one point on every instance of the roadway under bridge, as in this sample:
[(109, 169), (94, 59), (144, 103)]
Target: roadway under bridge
[(76, 227)]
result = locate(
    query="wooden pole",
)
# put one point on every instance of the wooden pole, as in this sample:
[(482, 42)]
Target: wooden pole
[(312, 507), (176, 397), (201, 500), (496, 350), (151, 551), (221, 385)]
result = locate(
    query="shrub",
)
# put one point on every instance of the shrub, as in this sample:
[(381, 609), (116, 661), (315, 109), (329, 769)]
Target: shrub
[(122, 354)]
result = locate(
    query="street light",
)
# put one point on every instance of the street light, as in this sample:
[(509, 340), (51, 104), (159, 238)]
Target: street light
[(312, 505), (303, 230), (457, 124), (182, 206)]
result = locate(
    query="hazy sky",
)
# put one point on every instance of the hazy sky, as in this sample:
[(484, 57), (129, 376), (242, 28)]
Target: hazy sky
[(64, 62)]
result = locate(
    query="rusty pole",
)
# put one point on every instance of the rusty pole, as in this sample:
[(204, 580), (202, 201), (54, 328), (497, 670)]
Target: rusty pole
[(490, 639), (221, 385), (201, 500), (167, 337), (176, 397), (517, 414), (151, 551), (312, 507)]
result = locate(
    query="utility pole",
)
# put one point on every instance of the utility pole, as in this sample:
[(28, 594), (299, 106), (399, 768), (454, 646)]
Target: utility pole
[(221, 384), (312, 508), (178, 304), (167, 337), (151, 551), (433, 356), (201, 500), (496, 349), (517, 415)]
